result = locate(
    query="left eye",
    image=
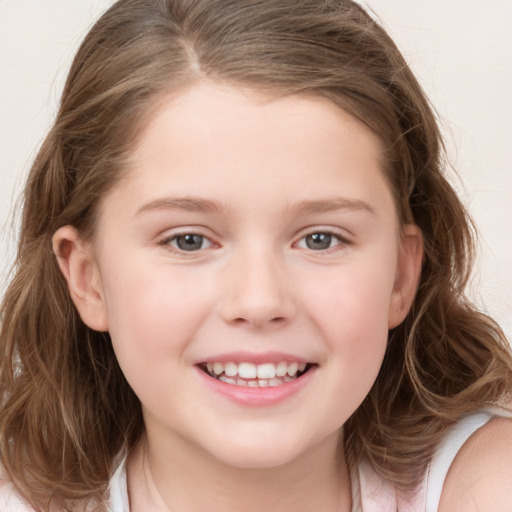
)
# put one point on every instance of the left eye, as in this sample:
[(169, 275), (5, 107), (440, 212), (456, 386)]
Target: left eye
[(319, 241), (189, 242)]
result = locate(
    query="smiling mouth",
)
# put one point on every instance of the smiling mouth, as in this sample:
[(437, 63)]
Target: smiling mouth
[(256, 375)]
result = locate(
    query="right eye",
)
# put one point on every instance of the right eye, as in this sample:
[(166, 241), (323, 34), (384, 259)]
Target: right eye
[(188, 242)]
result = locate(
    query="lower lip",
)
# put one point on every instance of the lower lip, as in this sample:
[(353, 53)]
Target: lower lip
[(257, 397)]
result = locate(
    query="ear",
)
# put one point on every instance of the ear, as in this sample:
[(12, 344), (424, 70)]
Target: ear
[(76, 261), (410, 257)]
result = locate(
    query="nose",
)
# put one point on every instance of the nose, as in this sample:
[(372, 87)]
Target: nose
[(258, 291)]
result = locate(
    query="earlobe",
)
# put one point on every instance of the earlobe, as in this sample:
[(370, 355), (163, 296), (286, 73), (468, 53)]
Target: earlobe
[(408, 273), (76, 262)]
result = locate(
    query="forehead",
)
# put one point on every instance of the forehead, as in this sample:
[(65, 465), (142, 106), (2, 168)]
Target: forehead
[(207, 101), (215, 139)]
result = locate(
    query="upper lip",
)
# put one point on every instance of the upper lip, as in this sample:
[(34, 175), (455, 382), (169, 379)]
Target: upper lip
[(254, 357)]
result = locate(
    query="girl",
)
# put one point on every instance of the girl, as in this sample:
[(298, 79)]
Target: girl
[(240, 279)]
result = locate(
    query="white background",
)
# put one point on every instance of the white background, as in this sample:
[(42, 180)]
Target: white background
[(461, 50)]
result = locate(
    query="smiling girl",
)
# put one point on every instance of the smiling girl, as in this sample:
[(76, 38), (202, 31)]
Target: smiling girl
[(240, 279)]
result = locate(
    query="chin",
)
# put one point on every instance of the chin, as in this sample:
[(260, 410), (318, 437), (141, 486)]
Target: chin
[(260, 452), (258, 459)]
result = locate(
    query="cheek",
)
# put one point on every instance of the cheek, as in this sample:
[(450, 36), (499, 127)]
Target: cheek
[(151, 315), (357, 338), (151, 324), (351, 314), (358, 332), (353, 304)]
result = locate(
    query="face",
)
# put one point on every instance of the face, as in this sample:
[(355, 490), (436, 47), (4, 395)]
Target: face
[(248, 268)]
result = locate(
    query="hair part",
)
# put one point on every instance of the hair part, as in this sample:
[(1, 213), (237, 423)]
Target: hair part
[(67, 411)]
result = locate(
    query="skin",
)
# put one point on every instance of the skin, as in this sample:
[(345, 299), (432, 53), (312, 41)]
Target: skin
[(479, 477), (276, 171)]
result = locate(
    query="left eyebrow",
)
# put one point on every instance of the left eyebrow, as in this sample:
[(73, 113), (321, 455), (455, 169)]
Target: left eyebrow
[(333, 204)]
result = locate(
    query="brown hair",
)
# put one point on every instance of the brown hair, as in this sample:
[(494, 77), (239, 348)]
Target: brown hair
[(66, 409)]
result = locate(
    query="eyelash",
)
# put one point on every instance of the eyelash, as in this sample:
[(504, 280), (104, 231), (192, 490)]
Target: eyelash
[(332, 234)]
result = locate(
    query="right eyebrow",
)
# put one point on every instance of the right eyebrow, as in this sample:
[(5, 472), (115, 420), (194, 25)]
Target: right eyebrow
[(186, 203)]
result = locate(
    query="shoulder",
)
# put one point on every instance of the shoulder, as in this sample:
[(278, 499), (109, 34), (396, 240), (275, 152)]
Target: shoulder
[(480, 475)]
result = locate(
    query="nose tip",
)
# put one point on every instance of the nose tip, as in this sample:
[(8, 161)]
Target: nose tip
[(258, 295)]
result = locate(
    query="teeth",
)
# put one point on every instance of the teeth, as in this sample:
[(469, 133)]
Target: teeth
[(218, 368), (247, 370), (252, 375), (282, 369), (292, 369), (231, 369), (227, 379), (266, 371)]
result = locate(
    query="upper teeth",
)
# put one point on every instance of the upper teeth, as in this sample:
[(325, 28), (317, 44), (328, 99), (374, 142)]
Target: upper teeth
[(255, 371)]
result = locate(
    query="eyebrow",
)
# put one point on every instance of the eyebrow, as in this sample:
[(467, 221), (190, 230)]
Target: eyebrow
[(333, 204), (203, 205), (191, 204)]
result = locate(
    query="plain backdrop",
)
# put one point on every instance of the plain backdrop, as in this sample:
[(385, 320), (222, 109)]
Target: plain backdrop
[(461, 51)]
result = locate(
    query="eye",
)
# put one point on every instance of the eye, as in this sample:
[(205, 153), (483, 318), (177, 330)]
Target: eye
[(320, 241), (188, 242)]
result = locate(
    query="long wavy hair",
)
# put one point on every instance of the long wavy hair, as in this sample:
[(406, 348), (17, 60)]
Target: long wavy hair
[(66, 408)]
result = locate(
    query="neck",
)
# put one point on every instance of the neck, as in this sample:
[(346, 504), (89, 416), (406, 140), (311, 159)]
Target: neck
[(184, 479)]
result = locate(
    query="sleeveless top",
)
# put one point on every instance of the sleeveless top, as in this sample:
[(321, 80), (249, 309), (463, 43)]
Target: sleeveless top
[(373, 494), (370, 492)]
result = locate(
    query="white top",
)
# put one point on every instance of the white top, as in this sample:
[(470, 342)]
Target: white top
[(119, 491), (371, 493), (445, 454)]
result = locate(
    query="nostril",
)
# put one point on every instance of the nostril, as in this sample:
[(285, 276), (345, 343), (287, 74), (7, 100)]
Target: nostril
[(259, 321), (278, 320)]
